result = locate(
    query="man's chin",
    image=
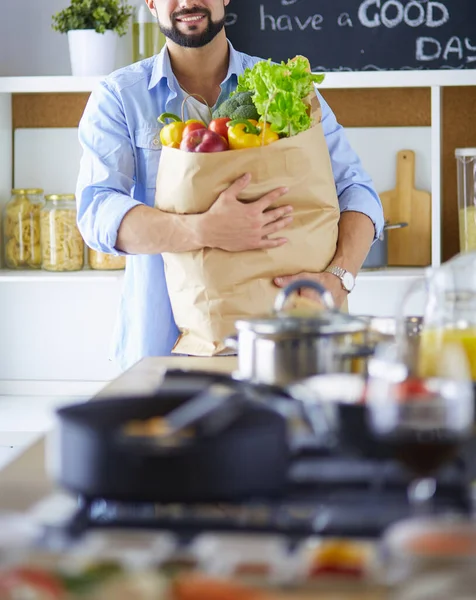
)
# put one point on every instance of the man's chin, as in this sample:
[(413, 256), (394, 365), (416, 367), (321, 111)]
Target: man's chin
[(197, 39)]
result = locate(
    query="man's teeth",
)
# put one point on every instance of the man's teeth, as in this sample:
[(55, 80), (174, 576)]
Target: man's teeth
[(187, 19)]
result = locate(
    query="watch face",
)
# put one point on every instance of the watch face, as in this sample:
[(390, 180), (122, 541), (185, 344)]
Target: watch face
[(348, 281)]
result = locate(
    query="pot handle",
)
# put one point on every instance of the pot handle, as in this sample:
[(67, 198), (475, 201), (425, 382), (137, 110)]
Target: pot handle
[(395, 226), (284, 294), (356, 351), (231, 342)]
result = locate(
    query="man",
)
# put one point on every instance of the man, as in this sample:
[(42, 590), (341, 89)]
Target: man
[(118, 170)]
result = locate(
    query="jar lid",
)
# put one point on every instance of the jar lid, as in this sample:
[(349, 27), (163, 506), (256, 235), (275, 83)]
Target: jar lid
[(60, 197), (326, 323), (468, 152), (25, 191)]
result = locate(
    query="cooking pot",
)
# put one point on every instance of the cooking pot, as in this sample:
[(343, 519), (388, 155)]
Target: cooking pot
[(378, 253), (285, 346), (387, 329)]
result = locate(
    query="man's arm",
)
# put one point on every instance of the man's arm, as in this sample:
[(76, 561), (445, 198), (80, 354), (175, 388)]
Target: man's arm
[(356, 233), (229, 224)]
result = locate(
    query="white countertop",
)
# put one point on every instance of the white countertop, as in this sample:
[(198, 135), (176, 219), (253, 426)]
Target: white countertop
[(25, 481)]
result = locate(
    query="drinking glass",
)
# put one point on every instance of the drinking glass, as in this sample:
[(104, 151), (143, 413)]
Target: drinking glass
[(424, 420)]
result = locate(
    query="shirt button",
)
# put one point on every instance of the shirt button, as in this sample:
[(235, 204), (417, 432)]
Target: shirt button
[(156, 142)]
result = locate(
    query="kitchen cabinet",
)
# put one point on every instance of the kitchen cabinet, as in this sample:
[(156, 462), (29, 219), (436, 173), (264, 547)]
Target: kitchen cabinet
[(33, 354)]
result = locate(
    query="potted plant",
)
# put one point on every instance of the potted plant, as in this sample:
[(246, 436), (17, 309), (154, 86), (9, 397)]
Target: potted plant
[(93, 27)]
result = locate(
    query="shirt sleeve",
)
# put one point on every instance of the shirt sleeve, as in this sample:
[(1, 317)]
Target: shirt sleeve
[(354, 186), (107, 170)]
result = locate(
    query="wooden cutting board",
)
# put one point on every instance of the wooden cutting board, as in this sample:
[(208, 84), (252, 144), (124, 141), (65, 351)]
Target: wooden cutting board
[(409, 246)]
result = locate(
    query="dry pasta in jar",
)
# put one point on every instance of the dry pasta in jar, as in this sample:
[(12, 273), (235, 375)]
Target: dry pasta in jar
[(105, 262), (21, 229), (62, 246)]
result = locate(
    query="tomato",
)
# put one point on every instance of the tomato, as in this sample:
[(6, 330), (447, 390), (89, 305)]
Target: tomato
[(412, 389), (36, 580), (193, 125), (219, 126)]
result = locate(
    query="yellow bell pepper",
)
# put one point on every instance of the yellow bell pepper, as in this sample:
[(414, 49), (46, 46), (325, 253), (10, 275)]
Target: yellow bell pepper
[(171, 135), (248, 133)]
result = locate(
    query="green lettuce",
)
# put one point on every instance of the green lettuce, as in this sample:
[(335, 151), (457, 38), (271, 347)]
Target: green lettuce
[(278, 93)]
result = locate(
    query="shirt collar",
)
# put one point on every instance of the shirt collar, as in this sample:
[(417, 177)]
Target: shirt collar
[(162, 68)]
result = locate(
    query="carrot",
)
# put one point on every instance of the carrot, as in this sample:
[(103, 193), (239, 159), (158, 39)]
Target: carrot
[(199, 587)]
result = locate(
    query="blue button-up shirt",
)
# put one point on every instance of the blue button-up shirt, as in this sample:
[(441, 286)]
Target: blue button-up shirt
[(118, 134)]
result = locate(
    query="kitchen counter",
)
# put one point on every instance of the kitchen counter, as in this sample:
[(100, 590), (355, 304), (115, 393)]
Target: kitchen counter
[(25, 484)]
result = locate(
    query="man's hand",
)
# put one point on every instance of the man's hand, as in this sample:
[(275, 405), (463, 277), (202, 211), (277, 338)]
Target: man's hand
[(235, 226), (328, 280)]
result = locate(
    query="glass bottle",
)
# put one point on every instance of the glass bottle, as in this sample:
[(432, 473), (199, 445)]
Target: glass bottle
[(466, 171), (21, 229), (147, 39), (62, 246)]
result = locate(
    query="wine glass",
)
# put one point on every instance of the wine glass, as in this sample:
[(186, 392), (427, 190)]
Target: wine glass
[(423, 420)]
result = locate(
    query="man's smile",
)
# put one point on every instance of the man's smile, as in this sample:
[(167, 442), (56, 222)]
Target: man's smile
[(191, 19)]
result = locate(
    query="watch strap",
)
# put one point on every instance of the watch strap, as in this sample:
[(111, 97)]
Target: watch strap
[(339, 271)]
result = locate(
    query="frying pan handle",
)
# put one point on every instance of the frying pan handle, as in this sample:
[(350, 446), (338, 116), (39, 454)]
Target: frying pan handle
[(212, 410), (284, 294)]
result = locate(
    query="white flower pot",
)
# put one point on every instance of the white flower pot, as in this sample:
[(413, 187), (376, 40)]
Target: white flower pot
[(92, 53)]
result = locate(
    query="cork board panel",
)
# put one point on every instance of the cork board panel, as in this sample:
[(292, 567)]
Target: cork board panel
[(387, 107), (353, 108), (459, 131), (47, 110)]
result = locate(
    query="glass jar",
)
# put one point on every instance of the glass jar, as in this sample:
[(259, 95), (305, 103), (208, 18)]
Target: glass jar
[(62, 246), (447, 345), (21, 229), (147, 39), (466, 172), (102, 261)]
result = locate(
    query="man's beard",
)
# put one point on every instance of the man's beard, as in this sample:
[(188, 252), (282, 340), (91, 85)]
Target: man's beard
[(193, 40)]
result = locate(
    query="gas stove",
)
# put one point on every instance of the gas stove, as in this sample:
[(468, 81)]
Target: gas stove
[(327, 496)]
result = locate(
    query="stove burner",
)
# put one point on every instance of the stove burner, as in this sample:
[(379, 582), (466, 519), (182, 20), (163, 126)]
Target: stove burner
[(327, 496)]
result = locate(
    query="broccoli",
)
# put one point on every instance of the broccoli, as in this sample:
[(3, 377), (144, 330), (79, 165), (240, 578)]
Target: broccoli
[(238, 106)]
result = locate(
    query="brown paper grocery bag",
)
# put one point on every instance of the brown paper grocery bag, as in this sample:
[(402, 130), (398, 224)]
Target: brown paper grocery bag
[(210, 289)]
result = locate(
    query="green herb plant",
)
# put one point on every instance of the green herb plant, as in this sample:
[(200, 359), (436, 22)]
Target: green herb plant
[(279, 91), (100, 15)]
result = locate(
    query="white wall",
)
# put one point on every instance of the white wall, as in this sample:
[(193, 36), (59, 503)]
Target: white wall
[(58, 330), (61, 329), (28, 44)]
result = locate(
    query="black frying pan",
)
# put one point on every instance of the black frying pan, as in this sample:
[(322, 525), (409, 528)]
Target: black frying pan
[(245, 458)]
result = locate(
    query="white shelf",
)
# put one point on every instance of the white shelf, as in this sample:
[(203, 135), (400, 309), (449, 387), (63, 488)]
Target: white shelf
[(392, 273), (53, 84), (400, 79), (34, 276), (354, 79)]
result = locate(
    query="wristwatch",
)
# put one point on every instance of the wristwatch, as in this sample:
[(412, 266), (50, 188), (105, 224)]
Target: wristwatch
[(347, 279)]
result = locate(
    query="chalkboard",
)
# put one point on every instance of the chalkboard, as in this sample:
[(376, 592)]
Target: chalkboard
[(358, 35)]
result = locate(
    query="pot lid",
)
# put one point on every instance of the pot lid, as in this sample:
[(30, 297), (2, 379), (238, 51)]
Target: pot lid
[(465, 152), (325, 323)]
